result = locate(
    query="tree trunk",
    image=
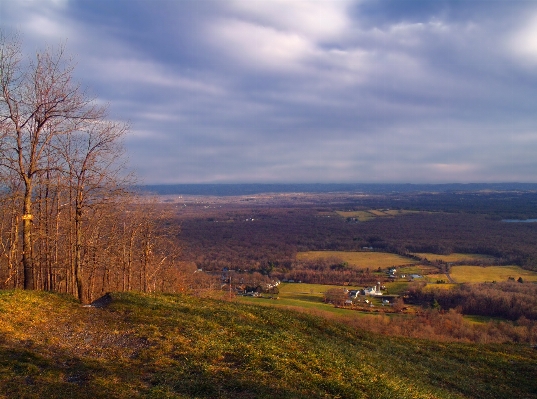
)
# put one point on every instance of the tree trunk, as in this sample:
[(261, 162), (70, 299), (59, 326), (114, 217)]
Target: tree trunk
[(78, 256), (27, 260)]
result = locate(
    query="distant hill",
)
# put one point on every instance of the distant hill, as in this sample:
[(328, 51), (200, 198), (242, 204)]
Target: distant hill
[(173, 346), (251, 189)]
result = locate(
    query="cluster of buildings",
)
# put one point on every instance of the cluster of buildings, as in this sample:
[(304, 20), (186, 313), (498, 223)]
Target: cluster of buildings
[(376, 290)]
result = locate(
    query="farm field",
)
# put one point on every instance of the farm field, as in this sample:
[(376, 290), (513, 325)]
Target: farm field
[(364, 216), (480, 274), (301, 296), (445, 286), (456, 257), (301, 305), (396, 288), (310, 297), (433, 278), (419, 269), (360, 260)]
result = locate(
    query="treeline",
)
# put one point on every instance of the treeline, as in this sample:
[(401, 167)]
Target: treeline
[(506, 300), (67, 220)]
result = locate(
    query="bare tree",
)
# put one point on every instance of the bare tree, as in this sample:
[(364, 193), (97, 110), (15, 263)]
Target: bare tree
[(94, 177), (65, 208), (39, 103), (10, 202)]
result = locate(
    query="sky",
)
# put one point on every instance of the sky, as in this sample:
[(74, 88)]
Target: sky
[(342, 91)]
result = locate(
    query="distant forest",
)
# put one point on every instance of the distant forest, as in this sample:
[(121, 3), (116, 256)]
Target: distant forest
[(251, 237)]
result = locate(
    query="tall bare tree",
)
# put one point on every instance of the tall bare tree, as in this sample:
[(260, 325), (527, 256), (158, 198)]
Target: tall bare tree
[(94, 177), (62, 186), (39, 102)]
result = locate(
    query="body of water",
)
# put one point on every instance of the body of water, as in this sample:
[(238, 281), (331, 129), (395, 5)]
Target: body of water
[(520, 220)]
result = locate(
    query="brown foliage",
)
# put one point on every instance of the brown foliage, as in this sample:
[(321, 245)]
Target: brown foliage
[(336, 296), (449, 326), (507, 300)]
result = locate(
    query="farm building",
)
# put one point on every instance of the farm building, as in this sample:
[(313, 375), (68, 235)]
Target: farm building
[(372, 291)]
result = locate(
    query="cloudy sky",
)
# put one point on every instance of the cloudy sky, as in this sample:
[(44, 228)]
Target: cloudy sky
[(292, 91)]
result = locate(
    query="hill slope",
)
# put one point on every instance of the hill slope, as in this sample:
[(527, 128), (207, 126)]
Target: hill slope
[(171, 346)]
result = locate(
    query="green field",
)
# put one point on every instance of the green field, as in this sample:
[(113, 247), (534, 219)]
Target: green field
[(361, 260), (301, 296), (433, 278), (397, 288), (479, 274), (455, 257), (418, 269)]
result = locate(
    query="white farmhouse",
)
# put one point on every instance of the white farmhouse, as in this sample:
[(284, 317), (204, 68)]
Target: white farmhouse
[(373, 291)]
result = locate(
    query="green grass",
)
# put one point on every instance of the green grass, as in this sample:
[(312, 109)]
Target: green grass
[(306, 289), (309, 297), (173, 346), (397, 288), (300, 296)]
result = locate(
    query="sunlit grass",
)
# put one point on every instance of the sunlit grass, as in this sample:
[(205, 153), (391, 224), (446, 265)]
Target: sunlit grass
[(299, 296), (360, 260), (479, 274), (397, 288), (174, 346), (480, 319), (364, 216), (418, 269), (446, 286), (308, 289), (455, 257)]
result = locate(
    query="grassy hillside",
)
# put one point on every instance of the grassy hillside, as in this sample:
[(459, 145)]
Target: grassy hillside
[(170, 346)]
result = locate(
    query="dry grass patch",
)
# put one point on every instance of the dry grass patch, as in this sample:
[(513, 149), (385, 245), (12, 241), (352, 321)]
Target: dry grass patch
[(456, 257), (360, 260), (419, 269), (378, 213), (364, 216), (480, 274), (446, 286), (307, 289), (433, 278)]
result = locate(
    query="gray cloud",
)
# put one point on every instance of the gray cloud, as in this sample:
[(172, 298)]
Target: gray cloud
[(307, 91)]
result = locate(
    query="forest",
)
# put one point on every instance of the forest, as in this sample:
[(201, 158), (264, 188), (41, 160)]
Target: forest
[(266, 236)]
